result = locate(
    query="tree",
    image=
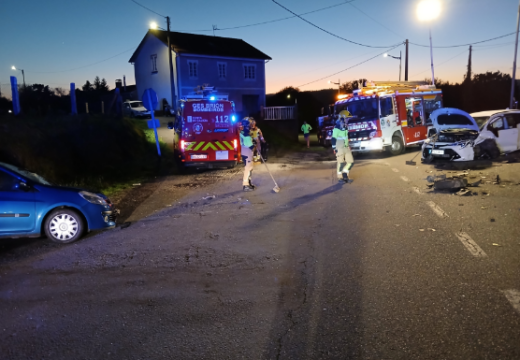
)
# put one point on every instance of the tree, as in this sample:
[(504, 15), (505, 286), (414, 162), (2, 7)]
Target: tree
[(87, 87)]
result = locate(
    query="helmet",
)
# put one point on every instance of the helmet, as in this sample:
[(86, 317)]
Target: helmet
[(245, 125)]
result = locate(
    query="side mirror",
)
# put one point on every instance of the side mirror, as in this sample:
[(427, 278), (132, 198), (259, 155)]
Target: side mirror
[(170, 125), (24, 186), (432, 132)]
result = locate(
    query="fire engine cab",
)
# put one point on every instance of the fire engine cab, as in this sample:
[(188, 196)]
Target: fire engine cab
[(206, 131), (388, 116)]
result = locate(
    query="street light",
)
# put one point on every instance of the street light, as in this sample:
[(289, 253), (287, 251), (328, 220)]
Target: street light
[(398, 58), (23, 74), (428, 10), (336, 83), (153, 26)]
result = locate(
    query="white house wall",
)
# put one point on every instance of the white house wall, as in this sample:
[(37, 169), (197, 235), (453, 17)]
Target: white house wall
[(234, 85), (145, 78)]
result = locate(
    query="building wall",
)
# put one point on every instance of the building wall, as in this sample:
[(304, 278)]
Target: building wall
[(144, 76), (234, 85)]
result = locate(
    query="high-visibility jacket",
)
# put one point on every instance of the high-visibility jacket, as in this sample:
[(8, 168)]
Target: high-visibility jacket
[(339, 136), (245, 141), (306, 128)]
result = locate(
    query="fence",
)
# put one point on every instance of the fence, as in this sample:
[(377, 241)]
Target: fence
[(279, 113)]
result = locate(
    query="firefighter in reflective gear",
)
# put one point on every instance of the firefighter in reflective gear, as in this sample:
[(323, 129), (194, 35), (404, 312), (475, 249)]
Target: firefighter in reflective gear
[(246, 144), (342, 149)]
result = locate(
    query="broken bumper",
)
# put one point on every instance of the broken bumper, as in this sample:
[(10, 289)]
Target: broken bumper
[(456, 152)]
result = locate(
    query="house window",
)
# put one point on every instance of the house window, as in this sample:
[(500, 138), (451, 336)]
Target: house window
[(222, 70), (154, 63), (193, 69), (249, 72)]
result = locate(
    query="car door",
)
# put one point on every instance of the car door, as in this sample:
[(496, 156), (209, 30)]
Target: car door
[(509, 136), (17, 206)]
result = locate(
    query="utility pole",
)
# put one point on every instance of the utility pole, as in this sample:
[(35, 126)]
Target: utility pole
[(406, 62), (514, 61), (468, 74), (172, 83), (431, 57)]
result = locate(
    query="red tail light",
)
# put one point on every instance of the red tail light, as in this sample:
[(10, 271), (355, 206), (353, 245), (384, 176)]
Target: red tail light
[(182, 145), (235, 143)]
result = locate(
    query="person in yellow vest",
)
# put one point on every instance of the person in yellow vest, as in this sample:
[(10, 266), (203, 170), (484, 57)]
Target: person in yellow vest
[(246, 148), (306, 128), (342, 150)]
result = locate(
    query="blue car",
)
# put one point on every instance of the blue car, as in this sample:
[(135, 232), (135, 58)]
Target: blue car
[(31, 206)]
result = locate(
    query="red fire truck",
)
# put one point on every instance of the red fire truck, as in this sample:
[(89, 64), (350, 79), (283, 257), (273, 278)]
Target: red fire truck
[(388, 116), (206, 132)]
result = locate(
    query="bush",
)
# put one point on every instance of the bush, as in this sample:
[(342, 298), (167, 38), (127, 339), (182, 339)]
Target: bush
[(85, 151)]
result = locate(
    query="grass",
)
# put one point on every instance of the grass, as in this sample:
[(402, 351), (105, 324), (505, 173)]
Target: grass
[(101, 153)]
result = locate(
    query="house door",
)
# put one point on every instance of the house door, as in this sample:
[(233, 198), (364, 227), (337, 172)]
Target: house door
[(250, 105)]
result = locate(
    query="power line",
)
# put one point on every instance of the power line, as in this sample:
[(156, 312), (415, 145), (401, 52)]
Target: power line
[(144, 7), (454, 46), (81, 67), (465, 51), (328, 32), (371, 18), (273, 21), (353, 66)]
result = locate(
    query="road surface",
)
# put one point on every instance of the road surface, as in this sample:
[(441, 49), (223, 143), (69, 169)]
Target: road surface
[(382, 268)]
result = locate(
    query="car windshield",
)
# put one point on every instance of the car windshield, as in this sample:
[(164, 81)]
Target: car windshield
[(453, 119), (136, 104), (364, 109), (481, 120), (25, 173)]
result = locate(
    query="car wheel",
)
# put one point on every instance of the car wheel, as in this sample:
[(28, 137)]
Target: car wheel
[(64, 226), (397, 146)]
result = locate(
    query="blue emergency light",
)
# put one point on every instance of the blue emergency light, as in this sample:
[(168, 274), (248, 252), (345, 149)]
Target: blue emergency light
[(212, 98), (233, 118)]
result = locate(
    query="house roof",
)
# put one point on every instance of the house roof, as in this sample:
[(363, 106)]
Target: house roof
[(204, 45)]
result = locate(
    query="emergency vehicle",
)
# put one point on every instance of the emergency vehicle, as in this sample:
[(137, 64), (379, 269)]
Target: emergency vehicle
[(206, 132), (388, 116), (325, 125)]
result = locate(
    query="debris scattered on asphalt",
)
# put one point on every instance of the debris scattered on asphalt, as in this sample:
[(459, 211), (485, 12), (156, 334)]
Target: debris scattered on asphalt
[(463, 192), (432, 229), (483, 208), (492, 220), (210, 197), (475, 184), (416, 215), (138, 184), (461, 204), (450, 184), (495, 244), (421, 229), (498, 179)]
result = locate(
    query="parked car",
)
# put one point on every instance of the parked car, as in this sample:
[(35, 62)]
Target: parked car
[(451, 135), (30, 206), (500, 134), (135, 109)]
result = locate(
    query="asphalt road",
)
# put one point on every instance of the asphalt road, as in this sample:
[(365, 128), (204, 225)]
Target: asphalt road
[(382, 268)]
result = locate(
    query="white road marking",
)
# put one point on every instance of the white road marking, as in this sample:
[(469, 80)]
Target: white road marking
[(395, 170), (387, 164), (436, 209), (417, 190), (471, 245), (404, 178), (514, 298)]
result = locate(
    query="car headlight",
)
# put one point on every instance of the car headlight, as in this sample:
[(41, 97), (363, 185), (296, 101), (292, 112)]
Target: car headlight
[(92, 198)]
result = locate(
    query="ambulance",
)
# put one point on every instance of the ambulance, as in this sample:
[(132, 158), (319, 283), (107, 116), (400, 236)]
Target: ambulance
[(388, 115), (206, 132)]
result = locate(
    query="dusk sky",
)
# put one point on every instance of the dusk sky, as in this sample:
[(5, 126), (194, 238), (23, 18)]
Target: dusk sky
[(57, 41)]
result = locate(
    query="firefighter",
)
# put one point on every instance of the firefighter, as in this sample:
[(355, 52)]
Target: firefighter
[(246, 145), (258, 139), (342, 150)]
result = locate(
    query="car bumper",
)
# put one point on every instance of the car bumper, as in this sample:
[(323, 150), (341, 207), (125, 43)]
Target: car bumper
[(100, 217), (210, 164), (375, 144), (448, 152)]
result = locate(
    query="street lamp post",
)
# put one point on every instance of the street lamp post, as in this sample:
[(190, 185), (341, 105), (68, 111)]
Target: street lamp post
[(400, 61), (513, 80), (23, 74), (336, 83), (428, 10)]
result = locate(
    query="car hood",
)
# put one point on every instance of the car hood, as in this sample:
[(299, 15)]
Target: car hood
[(140, 109), (68, 189), (451, 111)]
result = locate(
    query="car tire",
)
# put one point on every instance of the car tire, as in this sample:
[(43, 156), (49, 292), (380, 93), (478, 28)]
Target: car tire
[(397, 146), (64, 226)]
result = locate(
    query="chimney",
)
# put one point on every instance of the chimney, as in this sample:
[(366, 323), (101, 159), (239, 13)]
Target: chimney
[(119, 83), (124, 82)]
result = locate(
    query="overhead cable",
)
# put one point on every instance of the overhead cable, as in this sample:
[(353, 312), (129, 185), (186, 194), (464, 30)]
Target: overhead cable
[(330, 33), (144, 7), (473, 43), (353, 66)]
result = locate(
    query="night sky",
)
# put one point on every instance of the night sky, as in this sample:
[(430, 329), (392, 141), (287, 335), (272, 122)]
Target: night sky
[(61, 41)]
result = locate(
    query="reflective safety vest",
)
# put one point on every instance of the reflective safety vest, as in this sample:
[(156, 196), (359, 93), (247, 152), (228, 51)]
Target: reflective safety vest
[(245, 141), (339, 135)]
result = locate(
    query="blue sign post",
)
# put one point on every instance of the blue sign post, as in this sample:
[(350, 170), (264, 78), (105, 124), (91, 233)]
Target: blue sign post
[(150, 102), (15, 96), (73, 107)]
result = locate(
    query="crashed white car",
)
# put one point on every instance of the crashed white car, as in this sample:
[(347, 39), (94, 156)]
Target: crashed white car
[(451, 136), (135, 109), (500, 134)]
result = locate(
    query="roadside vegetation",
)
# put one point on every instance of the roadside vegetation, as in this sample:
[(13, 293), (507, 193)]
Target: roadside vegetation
[(101, 153)]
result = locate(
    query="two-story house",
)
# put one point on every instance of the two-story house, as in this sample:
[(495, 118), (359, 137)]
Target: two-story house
[(232, 66)]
